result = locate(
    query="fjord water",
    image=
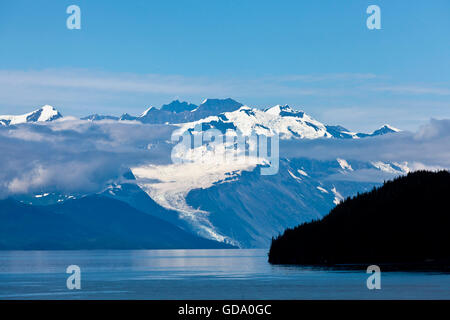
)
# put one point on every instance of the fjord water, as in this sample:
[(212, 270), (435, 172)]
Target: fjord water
[(197, 274)]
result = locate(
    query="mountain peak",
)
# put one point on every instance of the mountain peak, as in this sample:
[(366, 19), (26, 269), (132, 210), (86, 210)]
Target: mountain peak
[(143, 114), (389, 127), (211, 107), (284, 111), (178, 106), (127, 117), (48, 113), (43, 114), (277, 109), (226, 101), (384, 130)]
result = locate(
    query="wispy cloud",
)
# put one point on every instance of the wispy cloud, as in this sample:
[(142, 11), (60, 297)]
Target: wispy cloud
[(81, 80), (416, 90), (324, 77), (167, 84), (125, 82)]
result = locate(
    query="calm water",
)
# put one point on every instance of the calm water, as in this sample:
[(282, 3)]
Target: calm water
[(197, 274)]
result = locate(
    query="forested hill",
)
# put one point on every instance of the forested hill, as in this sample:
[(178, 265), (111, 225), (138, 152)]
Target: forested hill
[(405, 222)]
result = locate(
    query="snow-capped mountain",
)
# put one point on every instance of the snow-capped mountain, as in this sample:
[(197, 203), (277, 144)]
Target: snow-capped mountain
[(220, 114), (180, 112), (229, 200), (224, 114), (46, 113), (343, 133), (240, 206), (223, 200), (281, 120), (384, 130)]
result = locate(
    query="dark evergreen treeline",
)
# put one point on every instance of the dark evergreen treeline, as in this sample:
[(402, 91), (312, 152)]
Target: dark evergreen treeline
[(406, 221)]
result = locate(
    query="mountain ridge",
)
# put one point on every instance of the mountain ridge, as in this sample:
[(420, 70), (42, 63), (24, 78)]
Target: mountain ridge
[(91, 222)]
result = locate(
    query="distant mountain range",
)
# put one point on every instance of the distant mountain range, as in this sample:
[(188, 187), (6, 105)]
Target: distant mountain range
[(221, 114), (229, 203), (177, 112)]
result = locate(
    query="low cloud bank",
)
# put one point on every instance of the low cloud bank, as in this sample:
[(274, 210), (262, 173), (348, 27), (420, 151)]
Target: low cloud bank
[(76, 156), (428, 148)]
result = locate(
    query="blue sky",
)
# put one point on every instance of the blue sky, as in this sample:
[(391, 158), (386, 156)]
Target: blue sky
[(315, 55)]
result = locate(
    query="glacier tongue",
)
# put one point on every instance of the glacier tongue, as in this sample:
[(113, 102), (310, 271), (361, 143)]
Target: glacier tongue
[(168, 185)]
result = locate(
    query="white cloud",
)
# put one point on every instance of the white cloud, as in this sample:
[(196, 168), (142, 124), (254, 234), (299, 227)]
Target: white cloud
[(75, 156), (429, 147), (324, 77), (83, 156), (417, 90)]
